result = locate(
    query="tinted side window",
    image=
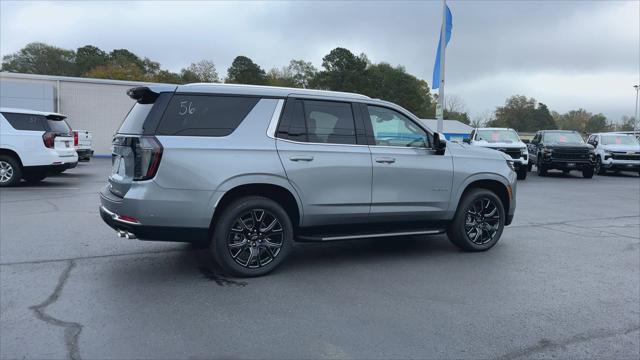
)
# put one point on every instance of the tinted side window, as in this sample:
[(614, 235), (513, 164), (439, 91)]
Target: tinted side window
[(204, 115), (26, 121), (292, 126), (329, 122)]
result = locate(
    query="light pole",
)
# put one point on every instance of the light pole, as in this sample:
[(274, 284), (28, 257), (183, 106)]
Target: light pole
[(635, 122)]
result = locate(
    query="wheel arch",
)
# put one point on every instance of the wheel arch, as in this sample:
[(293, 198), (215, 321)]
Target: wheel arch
[(10, 152), (280, 194), (494, 184)]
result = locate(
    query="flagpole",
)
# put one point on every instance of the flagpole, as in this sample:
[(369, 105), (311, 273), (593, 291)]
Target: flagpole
[(443, 47)]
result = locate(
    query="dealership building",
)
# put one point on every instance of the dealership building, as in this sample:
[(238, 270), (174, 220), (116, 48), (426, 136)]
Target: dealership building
[(97, 105)]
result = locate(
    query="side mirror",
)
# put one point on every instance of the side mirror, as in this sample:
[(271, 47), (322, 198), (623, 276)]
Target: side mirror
[(595, 144), (526, 141), (439, 143), (467, 140)]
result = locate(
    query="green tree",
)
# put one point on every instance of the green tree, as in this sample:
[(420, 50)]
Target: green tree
[(40, 58), (89, 57), (301, 73), (627, 123), (201, 71), (574, 120), (244, 71), (597, 123), (517, 113), (542, 119), (343, 71), (277, 77), (394, 84), (166, 76), (126, 71)]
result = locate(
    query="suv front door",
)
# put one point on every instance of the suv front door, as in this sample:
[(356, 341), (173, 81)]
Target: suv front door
[(409, 178), (323, 160)]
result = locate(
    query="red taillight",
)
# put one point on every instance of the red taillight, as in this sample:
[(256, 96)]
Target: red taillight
[(75, 137), (48, 139), (148, 153), (127, 218)]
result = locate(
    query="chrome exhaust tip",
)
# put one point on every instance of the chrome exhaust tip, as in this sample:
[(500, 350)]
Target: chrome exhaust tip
[(130, 236), (120, 233)]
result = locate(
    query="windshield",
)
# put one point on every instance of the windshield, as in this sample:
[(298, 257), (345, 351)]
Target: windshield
[(502, 135), (619, 140), (563, 137)]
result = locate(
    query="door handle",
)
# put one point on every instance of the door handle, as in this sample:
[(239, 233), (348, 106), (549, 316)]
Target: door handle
[(301, 158), (385, 160)]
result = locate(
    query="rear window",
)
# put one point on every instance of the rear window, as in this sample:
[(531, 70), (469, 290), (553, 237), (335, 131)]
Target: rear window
[(134, 121), (204, 115), (59, 126), (35, 122)]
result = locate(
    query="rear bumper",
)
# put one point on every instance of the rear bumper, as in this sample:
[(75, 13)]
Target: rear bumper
[(154, 233), (84, 154), (160, 214)]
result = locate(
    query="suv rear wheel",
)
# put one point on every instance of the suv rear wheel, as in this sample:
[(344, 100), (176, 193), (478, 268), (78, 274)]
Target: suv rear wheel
[(587, 172), (600, 170), (10, 171), (252, 237), (479, 221)]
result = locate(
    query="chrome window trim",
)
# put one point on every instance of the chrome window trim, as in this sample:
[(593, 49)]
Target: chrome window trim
[(275, 118)]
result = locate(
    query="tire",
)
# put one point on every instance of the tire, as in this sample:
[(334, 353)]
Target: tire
[(463, 235), (529, 166), (540, 168), (34, 177), (566, 172), (587, 172), (522, 173), (10, 171), (236, 227), (600, 170)]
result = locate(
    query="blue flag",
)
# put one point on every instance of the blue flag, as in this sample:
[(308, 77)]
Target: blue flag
[(447, 36)]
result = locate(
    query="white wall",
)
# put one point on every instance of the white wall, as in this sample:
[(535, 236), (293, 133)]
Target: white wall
[(90, 104)]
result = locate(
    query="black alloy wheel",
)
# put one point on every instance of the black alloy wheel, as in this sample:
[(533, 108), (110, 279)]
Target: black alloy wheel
[(255, 238)]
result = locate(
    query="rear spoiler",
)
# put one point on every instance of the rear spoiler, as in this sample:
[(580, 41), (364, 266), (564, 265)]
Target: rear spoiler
[(57, 117), (149, 94)]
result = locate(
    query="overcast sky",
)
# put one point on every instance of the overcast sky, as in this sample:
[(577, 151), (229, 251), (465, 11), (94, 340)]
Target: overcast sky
[(566, 54)]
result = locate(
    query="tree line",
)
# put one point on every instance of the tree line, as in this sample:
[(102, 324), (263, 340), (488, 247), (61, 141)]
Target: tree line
[(341, 70)]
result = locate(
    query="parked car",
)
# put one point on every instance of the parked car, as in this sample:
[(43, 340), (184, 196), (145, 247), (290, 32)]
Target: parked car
[(615, 152), (505, 140), (33, 144), (562, 150), (82, 144), (253, 168)]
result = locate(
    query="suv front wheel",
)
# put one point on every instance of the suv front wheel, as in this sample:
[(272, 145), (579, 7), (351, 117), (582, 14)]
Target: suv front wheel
[(479, 221), (252, 237)]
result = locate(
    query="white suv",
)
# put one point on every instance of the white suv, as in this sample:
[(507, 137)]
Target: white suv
[(505, 140), (33, 144)]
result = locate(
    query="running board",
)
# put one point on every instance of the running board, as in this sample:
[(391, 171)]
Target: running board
[(364, 236)]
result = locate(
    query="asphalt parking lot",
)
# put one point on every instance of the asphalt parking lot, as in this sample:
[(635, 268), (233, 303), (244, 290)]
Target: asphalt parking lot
[(564, 281)]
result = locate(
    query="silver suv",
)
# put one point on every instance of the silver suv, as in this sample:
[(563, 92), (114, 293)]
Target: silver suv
[(253, 168)]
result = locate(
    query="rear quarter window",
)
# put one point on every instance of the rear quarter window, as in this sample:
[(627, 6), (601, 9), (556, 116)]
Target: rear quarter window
[(30, 122), (204, 115), (134, 121)]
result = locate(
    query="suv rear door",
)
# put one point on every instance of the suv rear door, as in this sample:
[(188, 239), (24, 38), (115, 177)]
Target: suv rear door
[(409, 178), (63, 140), (325, 161)]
